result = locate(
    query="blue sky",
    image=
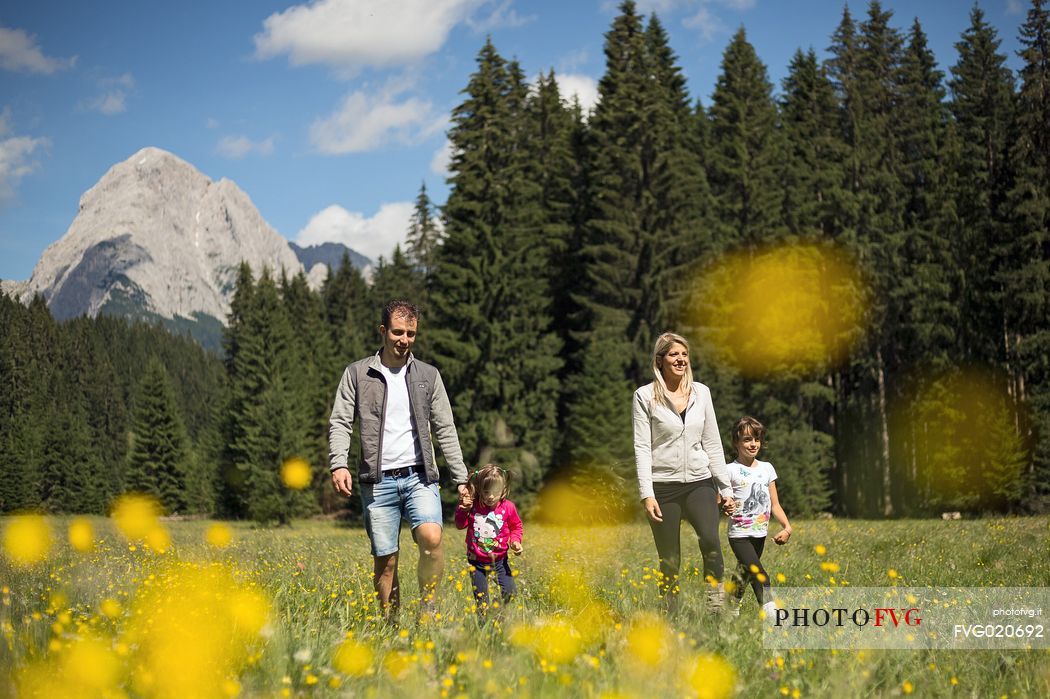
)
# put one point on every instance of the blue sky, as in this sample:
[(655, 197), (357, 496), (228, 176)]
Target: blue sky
[(329, 114)]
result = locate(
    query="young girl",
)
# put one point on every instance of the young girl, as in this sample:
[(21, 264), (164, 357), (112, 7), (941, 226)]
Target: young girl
[(755, 492), (493, 526)]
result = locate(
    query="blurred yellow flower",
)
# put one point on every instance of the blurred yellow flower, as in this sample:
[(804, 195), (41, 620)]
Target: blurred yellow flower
[(892, 573), (648, 640), (555, 641), (829, 567), (81, 535), (249, 610), (191, 630), (91, 664), (710, 676), (808, 299), (136, 515), (295, 473), (820, 549), (110, 608), (27, 539), (158, 539), (397, 663), (219, 535), (353, 658), (907, 687)]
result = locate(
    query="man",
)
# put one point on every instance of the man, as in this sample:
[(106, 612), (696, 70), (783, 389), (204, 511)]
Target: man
[(398, 402)]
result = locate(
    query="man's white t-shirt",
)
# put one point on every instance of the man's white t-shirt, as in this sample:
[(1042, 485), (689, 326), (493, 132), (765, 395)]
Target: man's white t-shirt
[(751, 492), (400, 445)]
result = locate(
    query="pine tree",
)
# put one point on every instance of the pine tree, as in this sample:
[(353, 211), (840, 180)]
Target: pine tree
[(982, 106), (424, 236), (746, 151), (350, 317), (644, 232), (1025, 271), (492, 332), (158, 460), (866, 69), (264, 425), (311, 381)]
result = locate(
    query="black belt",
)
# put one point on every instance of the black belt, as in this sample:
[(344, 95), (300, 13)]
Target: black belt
[(403, 471)]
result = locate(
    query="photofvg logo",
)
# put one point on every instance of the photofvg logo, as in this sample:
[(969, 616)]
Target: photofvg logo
[(839, 616), (908, 617)]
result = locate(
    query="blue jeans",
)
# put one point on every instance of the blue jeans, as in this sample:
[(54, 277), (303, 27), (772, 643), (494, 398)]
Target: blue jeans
[(387, 502), (479, 576)]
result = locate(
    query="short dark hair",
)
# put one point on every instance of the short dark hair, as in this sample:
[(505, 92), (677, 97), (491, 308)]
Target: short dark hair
[(748, 425), (399, 307)]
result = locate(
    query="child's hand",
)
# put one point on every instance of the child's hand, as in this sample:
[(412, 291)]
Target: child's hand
[(465, 501), (728, 507), (516, 547), (782, 536)]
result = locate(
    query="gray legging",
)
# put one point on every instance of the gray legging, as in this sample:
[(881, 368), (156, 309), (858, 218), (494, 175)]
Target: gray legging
[(696, 502)]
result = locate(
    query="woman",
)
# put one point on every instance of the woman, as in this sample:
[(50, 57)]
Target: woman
[(681, 466)]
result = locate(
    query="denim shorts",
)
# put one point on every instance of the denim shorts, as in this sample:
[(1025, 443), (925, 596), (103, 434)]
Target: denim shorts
[(387, 502)]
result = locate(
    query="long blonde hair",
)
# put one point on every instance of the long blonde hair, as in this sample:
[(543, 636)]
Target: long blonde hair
[(660, 350)]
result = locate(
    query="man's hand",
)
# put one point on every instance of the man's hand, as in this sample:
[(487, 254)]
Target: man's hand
[(341, 481), (783, 535), (652, 508), (516, 547)]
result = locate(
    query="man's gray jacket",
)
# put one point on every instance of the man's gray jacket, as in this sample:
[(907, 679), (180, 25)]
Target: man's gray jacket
[(362, 395)]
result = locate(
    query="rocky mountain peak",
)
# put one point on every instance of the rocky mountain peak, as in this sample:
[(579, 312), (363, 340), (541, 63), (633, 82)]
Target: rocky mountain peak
[(155, 236)]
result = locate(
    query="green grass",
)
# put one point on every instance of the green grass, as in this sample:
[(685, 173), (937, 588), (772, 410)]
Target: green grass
[(590, 585)]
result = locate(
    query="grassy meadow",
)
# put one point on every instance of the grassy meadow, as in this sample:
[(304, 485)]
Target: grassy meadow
[(225, 609)]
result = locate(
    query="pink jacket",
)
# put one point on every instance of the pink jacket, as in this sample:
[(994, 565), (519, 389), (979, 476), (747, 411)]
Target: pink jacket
[(489, 530)]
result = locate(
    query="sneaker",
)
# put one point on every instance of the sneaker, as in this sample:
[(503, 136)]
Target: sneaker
[(769, 610)]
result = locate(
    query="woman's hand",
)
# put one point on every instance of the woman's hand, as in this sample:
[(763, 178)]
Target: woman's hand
[(728, 506), (652, 508), (465, 500), (783, 535)]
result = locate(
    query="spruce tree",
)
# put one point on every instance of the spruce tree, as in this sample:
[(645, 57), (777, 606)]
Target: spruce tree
[(424, 236), (265, 425), (644, 232), (492, 334), (865, 66), (1025, 268), (981, 88), (158, 460), (746, 152)]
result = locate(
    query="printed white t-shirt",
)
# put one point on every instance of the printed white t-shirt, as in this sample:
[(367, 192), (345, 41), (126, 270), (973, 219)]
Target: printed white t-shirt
[(400, 446), (751, 492)]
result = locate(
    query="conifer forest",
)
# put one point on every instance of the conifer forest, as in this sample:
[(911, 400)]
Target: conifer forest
[(914, 381)]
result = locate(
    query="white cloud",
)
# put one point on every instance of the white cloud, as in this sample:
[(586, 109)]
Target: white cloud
[(352, 34), (1014, 7), (365, 122), (211, 123), (573, 60), (16, 160), (236, 147), (582, 86), (502, 16), (19, 52), (441, 163), (114, 99), (705, 22), (372, 237), (109, 104), (739, 5)]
